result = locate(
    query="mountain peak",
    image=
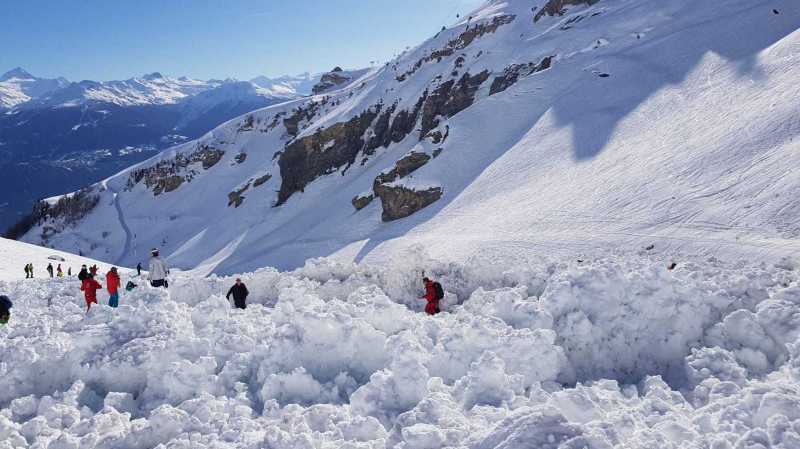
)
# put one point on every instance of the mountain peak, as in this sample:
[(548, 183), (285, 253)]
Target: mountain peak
[(16, 72), (153, 76)]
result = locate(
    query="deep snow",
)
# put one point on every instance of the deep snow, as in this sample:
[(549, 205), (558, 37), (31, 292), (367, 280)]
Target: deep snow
[(617, 351)]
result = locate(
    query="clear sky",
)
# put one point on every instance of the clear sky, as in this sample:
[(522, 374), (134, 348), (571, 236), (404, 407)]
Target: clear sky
[(118, 39)]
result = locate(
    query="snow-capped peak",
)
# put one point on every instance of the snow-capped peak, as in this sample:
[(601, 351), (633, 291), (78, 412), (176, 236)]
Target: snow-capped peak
[(17, 73), (153, 76)]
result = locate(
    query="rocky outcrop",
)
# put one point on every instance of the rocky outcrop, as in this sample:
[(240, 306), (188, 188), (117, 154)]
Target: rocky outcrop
[(402, 168), (400, 201), (69, 209), (335, 78), (261, 180), (361, 201), (450, 98), (236, 198), (436, 136), (300, 115), (166, 184), (514, 72), (247, 124), (239, 158), (167, 175), (323, 152), (559, 7), (460, 42)]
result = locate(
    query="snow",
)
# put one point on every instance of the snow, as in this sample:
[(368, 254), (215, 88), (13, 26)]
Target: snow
[(616, 351), (564, 162), (16, 254)]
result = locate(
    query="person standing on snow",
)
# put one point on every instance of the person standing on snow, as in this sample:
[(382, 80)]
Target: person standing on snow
[(59, 271), (112, 283), (239, 292), (89, 287), (84, 273), (5, 309), (158, 270), (50, 269), (30, 268), (139, 269), (27, 271), (69, 271), (433, 294), (93, 270)]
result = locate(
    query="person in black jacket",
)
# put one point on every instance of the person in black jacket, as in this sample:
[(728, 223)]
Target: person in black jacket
[(239, 292), (84, 273)]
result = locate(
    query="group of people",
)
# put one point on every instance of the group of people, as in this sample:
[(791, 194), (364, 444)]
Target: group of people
[(59, 271), (158, 278), (53, 272)]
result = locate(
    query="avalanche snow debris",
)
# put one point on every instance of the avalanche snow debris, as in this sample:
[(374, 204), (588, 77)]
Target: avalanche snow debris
[(543, 353)]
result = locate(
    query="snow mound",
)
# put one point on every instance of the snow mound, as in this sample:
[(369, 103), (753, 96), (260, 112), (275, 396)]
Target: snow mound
[(612, 352)]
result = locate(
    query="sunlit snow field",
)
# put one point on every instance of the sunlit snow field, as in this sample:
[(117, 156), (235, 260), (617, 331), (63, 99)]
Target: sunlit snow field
[(616, 351)]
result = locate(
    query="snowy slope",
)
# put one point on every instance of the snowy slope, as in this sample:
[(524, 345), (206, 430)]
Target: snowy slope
[(607, 353), (18, 86), (15, 255), (566, 129)]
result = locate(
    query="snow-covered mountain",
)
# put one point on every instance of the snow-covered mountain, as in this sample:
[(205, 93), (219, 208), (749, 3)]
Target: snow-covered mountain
[(18, 87), (61, 136), (559, 126)]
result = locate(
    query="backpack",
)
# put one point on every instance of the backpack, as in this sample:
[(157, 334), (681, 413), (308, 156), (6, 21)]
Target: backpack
[(5, 303), (439, 292), (130, 286)]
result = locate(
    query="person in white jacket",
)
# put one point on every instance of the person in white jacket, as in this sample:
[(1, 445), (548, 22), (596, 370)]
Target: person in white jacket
[(158, 270)]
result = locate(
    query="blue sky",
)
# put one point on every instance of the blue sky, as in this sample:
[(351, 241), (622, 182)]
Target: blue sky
[(111, 39)]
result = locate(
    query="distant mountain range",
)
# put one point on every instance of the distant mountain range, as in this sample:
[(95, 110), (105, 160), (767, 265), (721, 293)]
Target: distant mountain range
[(57, 135)]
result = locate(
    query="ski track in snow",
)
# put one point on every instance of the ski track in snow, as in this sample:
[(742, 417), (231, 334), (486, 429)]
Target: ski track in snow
[(121, 216)]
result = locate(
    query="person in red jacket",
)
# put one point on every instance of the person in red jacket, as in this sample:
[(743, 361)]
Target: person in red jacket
[(89, 287), (432, 296), (112, 283)]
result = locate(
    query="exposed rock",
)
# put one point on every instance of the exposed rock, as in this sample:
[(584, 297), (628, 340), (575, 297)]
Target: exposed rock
[(513, 72), (299, 115), (450, 98), (167, 184), (304, 159), (400, 202), (239, 158), (558, 7), (236, 198), (261, 180), (335, 78), (167, 175), (402, 168), (437, 137), (67, 210), (361, 201), (459, 43), (247, 124), (437, 152)]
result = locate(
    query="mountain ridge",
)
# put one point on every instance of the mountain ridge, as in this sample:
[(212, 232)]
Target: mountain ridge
[(470, 141)]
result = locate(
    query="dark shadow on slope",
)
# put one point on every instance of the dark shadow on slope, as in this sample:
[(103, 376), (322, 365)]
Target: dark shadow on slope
[(626, 81), (636, 76)]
